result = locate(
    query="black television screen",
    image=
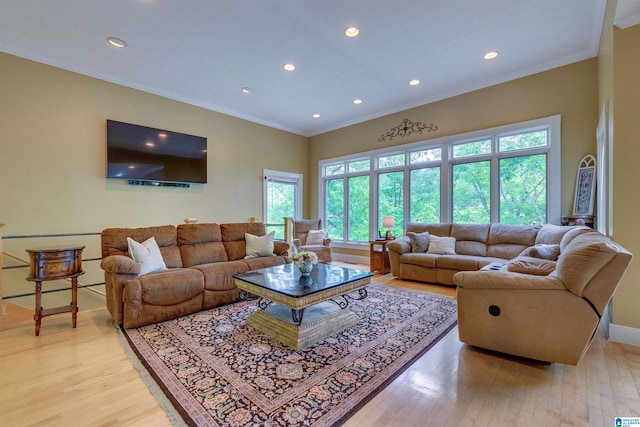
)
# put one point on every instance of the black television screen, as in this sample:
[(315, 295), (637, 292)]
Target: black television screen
[(142, 153)]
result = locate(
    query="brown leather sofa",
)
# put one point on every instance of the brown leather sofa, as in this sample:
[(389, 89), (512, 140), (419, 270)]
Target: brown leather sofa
[(201, 260)]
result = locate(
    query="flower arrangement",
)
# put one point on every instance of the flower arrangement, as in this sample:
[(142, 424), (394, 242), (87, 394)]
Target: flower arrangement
[(305, 258)]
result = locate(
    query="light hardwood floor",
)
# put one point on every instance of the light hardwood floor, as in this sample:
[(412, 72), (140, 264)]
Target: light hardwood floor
[(82, 377)]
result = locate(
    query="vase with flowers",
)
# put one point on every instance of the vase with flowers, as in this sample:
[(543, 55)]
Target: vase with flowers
[(305, 261)]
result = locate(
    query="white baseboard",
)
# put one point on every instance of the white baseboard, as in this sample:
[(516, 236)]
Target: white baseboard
[(354, 259), (624, 334)]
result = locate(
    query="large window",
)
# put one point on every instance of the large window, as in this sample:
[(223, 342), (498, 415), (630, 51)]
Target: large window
[(496, 175)]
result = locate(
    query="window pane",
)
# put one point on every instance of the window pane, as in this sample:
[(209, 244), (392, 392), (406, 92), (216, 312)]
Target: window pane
[(471, 192), (423, 156), (359, 209), (391, 200), (472, 149), (391, 161), (359, 166), (280, 203), (336, 169), (425, 195), (524, 140), (335, 209), (523, 190)]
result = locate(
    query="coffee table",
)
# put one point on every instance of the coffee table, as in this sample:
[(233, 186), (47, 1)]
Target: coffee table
[(301, 311)]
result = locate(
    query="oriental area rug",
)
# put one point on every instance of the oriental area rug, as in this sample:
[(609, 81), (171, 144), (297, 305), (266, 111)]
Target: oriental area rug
[(217, 371)]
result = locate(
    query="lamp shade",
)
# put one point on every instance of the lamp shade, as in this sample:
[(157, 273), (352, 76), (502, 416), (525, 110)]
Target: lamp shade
[(388, 222)]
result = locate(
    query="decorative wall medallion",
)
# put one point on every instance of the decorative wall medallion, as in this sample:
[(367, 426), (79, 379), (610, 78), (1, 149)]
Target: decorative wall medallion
[(406, 128)]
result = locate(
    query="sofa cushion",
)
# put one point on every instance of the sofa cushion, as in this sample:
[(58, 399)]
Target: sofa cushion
[(147, 255), (582, 259), (114, 242), (551, 234), (459, 262), (542, 251), (442, 245), (218, 276), (200, 244), (419, 241), (259, 246), (233, 237), (433, 229), (572, 234), (420, 259), (531, 265)]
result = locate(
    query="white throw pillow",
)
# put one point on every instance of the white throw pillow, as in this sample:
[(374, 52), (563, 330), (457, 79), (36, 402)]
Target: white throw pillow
[(316, 237), (147, 255), (259, 246), (442, 245)]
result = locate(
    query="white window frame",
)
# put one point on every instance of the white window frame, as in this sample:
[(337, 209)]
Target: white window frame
[(286, 177), (553, 150)]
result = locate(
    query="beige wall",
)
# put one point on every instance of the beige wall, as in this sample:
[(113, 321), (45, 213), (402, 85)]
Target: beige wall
[(571, 91), (626, 147), (52, 156)]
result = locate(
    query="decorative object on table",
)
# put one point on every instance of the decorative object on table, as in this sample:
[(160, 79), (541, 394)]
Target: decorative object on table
[(388, 222), (305, 261), (190, 220), (585, 186), (218, 371)]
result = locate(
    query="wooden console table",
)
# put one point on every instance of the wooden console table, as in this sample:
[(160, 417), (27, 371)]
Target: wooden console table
[(54, 263), (378, 256)]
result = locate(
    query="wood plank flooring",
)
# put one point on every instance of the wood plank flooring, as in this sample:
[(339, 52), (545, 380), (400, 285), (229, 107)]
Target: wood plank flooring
[(82, 377)]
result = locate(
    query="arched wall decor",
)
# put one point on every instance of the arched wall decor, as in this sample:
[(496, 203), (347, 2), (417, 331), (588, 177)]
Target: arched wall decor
[(585, 186), (406, 128)]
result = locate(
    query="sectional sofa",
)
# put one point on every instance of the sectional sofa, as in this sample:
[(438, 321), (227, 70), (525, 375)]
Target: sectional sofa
[(475, 246), (201, 260)]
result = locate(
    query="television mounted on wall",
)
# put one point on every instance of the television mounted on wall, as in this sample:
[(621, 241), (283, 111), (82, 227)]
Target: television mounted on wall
[(145, 155)]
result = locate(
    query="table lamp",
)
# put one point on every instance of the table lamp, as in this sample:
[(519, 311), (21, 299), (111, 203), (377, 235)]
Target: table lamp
[(388, 222)]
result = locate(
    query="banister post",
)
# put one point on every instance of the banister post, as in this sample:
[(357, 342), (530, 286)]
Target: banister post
[(2, 307), (288, 232)]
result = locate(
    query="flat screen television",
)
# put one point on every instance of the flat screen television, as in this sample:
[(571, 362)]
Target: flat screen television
[(142, 153)]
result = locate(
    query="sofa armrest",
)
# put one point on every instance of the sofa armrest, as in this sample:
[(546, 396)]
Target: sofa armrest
[(478, 280), (120, 264), (400, 246), (280, 248)]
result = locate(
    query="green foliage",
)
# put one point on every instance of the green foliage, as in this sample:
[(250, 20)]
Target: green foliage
[(335, 208), (280, 204), (471, 192), (391, 199), (359, 208), (523, 190), (425, 195)]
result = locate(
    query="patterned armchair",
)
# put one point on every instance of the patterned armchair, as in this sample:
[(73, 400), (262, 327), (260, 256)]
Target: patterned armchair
[(308, 235)]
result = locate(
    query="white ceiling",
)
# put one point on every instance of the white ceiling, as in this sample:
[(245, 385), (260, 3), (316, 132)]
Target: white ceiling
[(204, 51)]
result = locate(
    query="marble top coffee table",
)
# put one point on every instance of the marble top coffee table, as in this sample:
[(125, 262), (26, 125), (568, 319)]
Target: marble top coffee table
[(301, 311)]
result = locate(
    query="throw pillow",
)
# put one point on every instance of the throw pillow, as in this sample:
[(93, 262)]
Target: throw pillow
[(442, 245), (542, 251), (316, 237), (259, 246), (419, 241), (147, 255), (538, 267)]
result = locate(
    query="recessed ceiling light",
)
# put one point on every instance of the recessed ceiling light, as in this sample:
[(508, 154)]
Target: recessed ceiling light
[(352, 31), (357, 101), (414, 82), (491, 55), (246, 90), (289, 67), (316, 116), (114, 41)]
